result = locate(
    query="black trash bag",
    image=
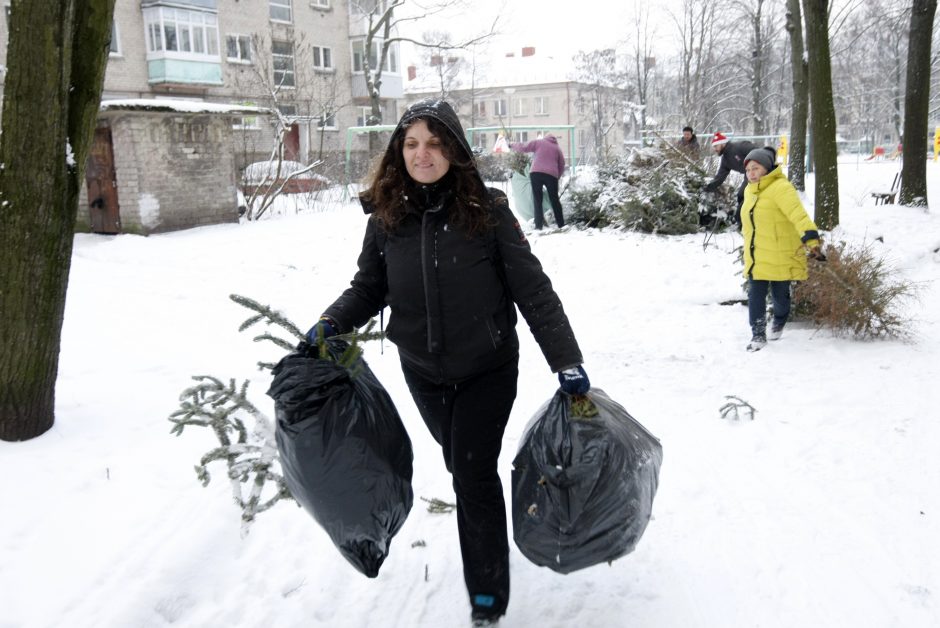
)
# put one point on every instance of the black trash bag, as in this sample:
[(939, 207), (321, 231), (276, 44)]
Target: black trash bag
[(582, 486), (344, 451)]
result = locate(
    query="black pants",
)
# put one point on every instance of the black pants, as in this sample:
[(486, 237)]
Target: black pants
[(757, 303), (539, 179), (468, 419)]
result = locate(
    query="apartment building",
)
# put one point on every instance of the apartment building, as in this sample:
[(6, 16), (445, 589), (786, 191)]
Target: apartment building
[(527, 95), (302, 57)]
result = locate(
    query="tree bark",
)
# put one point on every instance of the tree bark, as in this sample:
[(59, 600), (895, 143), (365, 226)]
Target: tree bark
[(822, 113), (757, 68), (796, 166), (56, 54), (917, 104)]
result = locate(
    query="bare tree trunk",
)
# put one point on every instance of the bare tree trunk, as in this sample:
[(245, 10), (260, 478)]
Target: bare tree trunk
[(57, 55), (757, 69), (917, 100), (825, 151), (796, 169)]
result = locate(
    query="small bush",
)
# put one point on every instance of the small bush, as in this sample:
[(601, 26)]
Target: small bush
[(583, 208), (492, 166), (854, 293)]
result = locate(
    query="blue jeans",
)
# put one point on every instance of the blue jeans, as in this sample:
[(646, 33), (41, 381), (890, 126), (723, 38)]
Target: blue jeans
[(757, 303)]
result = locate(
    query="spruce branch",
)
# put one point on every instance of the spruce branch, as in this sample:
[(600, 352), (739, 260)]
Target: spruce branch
[(250, 455), (267, 314), (735, 407), (439, 506)]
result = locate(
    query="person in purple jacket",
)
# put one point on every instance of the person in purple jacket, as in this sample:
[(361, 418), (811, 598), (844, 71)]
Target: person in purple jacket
[(547, 165)]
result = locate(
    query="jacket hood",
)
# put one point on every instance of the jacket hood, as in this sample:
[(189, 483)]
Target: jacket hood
[(551, 138), (441, 111)]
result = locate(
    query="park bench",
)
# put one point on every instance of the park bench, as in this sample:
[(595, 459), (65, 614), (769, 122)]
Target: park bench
[(886, 197)]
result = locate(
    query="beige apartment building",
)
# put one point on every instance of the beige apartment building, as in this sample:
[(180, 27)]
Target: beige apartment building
[(527, 95), (303, 57)]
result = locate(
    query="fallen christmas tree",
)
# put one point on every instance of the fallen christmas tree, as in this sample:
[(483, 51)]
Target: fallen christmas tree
[(653, 189)]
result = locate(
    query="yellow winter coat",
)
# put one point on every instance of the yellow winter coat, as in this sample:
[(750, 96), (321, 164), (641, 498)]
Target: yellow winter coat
[(775, 227)]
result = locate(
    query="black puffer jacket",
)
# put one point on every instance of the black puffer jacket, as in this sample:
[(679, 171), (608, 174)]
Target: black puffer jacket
[(732, 158), (451, 297)]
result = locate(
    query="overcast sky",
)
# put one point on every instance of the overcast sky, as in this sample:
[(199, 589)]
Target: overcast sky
[(557, 28)]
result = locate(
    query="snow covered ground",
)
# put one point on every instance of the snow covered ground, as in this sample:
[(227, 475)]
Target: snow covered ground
[(822, 511)]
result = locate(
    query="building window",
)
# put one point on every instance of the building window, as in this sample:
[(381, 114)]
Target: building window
[(363, 115), (523, 136), (246, 123), (320, 4), (365, 7), (322, 58), (282, 57), (181, 33), (238, 48), (479, 109), (280, 10), (499, 107), (327, 121), (481, 140), (115, 44), (541, 106), (358, 52)]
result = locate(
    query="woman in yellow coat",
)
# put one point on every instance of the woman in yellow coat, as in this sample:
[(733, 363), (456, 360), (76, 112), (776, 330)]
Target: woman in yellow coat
[(778, 236)]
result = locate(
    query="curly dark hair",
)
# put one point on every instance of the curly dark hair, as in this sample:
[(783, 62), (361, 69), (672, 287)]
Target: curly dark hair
[(390, 182)]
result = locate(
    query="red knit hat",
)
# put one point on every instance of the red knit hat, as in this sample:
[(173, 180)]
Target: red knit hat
[(719, 138)]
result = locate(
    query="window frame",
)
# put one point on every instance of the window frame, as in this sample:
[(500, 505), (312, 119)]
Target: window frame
[(322, 119), (158, 22), (293, 67), (114, 49), (323, 67), (238, 37), (281, 5), (500, 107), (520, 107), (541, 106), (391, 60), (363, 112)]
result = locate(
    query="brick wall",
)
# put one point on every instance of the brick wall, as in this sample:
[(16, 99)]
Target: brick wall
[(173, 170)]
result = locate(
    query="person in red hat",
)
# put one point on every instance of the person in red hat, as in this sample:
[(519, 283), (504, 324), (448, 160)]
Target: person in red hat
[(732, 158)]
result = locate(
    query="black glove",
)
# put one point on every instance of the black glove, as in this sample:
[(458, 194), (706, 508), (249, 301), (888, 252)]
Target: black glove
[(711, 186), (574, 381), (324, 327), (816, 253)]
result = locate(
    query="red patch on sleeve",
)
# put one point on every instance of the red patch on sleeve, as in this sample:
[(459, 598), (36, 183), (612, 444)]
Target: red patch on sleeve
[(519, 231)]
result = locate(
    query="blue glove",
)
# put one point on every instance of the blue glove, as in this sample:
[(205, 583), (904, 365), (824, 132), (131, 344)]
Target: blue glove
[(328, 327), (574, 381)]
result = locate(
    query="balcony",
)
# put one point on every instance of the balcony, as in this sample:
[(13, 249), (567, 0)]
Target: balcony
[(183, 72)]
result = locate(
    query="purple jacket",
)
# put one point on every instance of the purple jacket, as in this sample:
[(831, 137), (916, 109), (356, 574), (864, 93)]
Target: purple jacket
[(548, 157)]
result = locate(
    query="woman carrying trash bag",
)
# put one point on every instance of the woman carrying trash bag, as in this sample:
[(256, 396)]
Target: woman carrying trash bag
[(450, 260)]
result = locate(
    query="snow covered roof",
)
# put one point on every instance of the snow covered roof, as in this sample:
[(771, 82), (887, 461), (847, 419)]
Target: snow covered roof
[(498, 72), (181, 106)]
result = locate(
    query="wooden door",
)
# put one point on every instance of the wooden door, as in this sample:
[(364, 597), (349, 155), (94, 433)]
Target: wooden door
[(292, 143), (101, 181)]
